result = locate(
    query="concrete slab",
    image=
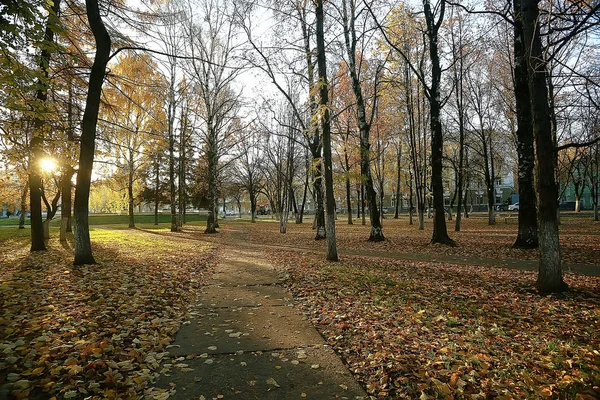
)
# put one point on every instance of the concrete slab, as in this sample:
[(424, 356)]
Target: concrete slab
[(240, 272), (228, 330), (248, 296), (313, 373), (247, 340)]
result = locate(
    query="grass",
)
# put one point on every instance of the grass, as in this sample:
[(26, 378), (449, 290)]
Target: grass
[(109, 219)]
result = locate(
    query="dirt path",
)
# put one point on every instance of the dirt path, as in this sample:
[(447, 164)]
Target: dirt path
[(247, 340)]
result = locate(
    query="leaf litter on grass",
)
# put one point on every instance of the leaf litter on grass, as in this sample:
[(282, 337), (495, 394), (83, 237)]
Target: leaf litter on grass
[(432, 330), (95, 331)]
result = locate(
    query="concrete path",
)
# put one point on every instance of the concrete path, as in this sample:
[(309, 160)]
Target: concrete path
[(247, 340)]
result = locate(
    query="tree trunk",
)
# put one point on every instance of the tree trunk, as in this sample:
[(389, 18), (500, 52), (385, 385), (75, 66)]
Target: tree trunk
[(527, 236), (376, 234), (65, 211), (83, 247), (550, 273), (252, 208), (37, 142), (332, 254), (156, 188), (171, 137), (211, 221), (348, 186), (23, 205), (398, 182), (318, 189), (305, 193), (362, 203), (130, 208), (358, 191), (440, 233)]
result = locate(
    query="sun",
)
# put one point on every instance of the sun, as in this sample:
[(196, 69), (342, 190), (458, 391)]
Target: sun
[(48, 165)]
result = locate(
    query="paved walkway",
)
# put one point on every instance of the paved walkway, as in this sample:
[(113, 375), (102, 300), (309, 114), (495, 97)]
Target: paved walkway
[(247, 340)]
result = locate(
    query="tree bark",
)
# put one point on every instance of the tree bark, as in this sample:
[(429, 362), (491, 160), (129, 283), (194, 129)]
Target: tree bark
[(23, 205), (318, 189), (348, 186), (550, 278), (376, 234), (398, 180), (65, 211), (440, 233), (527, 236), (83, 247), (211, 155), (325, 118), (156, 187), (37, 141)]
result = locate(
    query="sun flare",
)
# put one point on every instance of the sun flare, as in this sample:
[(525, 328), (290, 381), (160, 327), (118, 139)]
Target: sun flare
[(48, 165)]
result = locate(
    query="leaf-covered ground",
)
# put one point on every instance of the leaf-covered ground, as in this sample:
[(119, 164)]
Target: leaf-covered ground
[(579, 237), (96, 331), (431, 330)]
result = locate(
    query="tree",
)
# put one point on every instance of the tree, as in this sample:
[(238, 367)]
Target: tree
[(39, 131), (284, 75), (324, 116), (134, 107), (83, 247), (349, 16), (527, 236), (248, 167), (550, 271)]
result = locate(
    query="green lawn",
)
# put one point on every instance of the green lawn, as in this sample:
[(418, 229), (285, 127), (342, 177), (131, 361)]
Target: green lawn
[(109, 219)]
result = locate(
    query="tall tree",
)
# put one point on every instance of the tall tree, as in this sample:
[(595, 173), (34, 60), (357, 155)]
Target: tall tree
[(440, 233), (83, 246), (349, 18), (40, 127), (283, 73), (325, 119), (550, 269), (213, 40), (527, 236)]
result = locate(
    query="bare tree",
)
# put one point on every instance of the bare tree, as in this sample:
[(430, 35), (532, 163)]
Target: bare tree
[(213, 40)]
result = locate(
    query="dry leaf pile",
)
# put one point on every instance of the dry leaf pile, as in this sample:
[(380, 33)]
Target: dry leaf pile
[(432, 330), (95, 331)]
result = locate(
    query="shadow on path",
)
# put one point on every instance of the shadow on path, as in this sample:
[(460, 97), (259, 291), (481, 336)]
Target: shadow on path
[(247, 340)]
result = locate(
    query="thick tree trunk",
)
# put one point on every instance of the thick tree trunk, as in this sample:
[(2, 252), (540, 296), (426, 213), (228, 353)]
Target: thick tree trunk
[(550, 272), (527, 236), (252, 196), (83, 247), (211, 222), (318, 189)]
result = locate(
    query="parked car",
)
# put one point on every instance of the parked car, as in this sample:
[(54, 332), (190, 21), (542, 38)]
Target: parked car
[(514, 207)]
